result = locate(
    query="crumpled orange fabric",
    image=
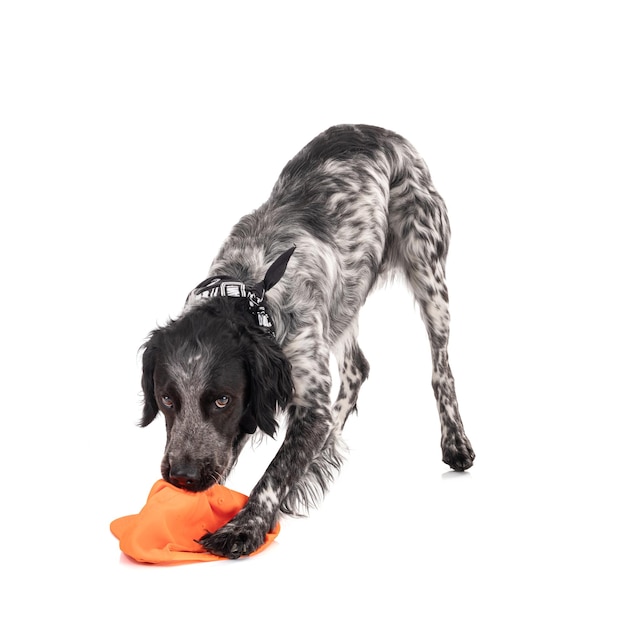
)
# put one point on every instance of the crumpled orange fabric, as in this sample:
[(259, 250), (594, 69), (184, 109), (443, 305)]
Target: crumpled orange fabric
[(165, 530)]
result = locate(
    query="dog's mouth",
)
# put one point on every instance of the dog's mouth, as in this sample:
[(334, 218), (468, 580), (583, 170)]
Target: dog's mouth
[(191, 479)]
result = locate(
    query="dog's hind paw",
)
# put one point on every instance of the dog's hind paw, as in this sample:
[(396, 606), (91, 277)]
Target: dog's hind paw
[(458, 453)]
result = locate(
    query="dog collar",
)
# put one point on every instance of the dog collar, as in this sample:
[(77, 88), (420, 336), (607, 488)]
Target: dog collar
[(227, 287)]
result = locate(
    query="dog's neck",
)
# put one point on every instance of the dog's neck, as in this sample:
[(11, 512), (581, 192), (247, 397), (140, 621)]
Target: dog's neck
[(228, 287)]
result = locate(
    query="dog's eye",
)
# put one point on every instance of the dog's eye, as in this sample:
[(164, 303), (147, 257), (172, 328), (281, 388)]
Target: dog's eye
[(222, 402), (167, 401)]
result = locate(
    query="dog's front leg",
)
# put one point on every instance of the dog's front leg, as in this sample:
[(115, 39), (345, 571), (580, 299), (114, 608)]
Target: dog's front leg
[(306, 433)]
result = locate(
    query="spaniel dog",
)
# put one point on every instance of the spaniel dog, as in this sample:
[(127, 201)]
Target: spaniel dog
[(285, 290)]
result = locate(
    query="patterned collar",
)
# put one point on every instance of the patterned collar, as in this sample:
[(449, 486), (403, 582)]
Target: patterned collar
[(224, 286)]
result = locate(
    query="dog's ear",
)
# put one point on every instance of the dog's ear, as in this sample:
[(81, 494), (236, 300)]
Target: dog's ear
[(149, 361), (269, 375)]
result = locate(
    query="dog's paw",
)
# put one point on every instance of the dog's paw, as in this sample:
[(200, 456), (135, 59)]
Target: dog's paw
[(457, 453), (233, 540)]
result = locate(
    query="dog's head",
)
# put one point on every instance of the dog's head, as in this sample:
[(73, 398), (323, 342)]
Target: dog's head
[(217, 377)]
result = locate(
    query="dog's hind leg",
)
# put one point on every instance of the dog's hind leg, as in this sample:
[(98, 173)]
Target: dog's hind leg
[(424, 232), (353, 371), (432, 295)]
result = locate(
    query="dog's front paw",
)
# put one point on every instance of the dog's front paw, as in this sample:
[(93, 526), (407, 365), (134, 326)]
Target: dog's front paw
[(457, 453), (234, 540)]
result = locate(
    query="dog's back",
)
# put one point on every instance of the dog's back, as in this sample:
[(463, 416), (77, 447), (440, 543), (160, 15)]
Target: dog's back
[(358, 202)]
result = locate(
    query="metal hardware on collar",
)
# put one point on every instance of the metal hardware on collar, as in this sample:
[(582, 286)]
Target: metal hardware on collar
[(224, 286), (221, 287)]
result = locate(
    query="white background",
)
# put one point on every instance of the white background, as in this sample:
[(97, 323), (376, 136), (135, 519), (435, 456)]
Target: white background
[(135, 134)]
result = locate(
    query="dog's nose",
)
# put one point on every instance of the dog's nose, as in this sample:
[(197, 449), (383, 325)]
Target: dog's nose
[(183, 477)]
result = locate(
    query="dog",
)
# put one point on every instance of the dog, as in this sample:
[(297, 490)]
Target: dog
[(284, 292)]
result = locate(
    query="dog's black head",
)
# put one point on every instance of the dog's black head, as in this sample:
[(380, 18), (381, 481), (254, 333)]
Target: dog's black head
[(217, 377)]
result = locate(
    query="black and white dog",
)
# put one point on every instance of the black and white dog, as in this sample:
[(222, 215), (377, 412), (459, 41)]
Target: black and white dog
[(356, 204)]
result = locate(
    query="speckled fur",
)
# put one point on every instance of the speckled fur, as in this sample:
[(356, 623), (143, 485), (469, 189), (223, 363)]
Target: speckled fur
[(358, 202)]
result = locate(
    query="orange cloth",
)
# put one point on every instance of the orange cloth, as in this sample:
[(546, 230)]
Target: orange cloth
[(165, 530)]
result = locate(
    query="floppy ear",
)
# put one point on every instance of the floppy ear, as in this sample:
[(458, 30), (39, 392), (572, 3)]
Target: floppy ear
[(149, 360), (270, 382)]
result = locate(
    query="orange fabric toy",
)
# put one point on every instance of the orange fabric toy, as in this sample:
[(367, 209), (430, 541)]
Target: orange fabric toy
[(165, 530)]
